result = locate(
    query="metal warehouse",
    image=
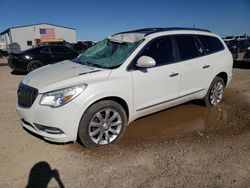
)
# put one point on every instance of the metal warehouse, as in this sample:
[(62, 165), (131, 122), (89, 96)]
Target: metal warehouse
[(27, 36)]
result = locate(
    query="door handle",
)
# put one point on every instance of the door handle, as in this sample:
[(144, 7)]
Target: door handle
[(205, 66), (174, 74)]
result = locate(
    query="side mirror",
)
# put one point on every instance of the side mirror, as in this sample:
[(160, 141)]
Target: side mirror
[(145, 62)]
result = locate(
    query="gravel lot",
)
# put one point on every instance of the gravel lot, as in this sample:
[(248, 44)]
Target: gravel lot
[(186, 146)]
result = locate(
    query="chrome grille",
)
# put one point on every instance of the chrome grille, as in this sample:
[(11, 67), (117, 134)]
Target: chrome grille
[(26, 95)]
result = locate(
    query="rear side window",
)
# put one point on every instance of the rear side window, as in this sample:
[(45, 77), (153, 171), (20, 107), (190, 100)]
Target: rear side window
[(211, 44), (188, 47), (60, 50), (160, 50)]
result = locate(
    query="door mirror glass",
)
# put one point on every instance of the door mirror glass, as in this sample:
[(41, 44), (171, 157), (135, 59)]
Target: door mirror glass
[(145, 62)]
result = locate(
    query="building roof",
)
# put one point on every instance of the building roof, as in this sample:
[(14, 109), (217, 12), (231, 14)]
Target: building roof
[(7, 30)]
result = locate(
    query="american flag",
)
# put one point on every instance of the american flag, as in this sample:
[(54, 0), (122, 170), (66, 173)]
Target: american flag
[(47, 33)]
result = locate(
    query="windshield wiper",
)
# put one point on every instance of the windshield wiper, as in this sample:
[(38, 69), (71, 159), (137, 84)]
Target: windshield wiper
[(91, 64)]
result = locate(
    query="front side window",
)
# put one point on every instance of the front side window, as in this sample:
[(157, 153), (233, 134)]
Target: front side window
[(188, 47), (45, 50), (107, 54), (160, 50)]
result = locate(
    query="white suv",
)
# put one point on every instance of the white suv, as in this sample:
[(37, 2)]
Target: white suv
[(122, 78)]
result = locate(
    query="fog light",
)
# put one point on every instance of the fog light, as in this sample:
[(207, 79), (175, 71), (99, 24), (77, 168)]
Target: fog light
[(50, 130)]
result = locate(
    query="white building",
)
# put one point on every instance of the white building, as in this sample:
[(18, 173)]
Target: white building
[(32, 35)]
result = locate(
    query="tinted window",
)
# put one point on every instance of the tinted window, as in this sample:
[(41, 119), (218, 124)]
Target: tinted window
[(160, 50), (60, 50), (29, 43), (188, 47), (211, 44), (45, 50)]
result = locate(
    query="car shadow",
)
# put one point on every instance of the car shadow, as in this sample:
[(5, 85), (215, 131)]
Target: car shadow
[(3, 64), (243, 64), (41, 174), (18, 73)]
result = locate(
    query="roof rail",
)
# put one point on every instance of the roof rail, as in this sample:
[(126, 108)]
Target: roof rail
[(149, 31)]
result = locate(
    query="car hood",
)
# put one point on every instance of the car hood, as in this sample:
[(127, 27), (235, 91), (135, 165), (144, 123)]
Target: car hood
[(63, 74)]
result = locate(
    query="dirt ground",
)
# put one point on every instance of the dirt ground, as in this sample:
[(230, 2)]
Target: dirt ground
[(186, 146)]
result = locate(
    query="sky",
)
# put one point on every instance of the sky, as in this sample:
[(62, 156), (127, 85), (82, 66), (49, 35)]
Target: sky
[(97, 19)]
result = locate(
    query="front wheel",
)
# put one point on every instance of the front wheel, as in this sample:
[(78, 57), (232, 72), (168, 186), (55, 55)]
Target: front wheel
[(35, 64), (103, 123), (215, 92)]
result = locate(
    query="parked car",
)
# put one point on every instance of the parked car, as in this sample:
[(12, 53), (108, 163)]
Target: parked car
[(242, 44), (238, 46), (89, 44), (247, 54), (124, 77), (235, 37), (81, 46), (3, 53), (34, 58)]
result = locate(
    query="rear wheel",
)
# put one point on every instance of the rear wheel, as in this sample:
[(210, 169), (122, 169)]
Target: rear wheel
[(35, 64), (215, 93), (102, 123)]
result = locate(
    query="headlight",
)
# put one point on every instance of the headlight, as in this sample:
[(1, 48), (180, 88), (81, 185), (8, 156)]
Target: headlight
[(60, 97), (27, 57)]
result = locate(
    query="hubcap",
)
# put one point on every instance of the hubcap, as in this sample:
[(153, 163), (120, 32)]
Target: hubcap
[(34, 66), (105, 126), (216, 93)]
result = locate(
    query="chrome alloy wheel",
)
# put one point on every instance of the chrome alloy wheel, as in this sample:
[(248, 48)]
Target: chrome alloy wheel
[(216, 93), (105, 126)]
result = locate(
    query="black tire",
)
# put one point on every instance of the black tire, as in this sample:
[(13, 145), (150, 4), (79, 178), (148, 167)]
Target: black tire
[(90, 115), (207, 99), (34, 64)]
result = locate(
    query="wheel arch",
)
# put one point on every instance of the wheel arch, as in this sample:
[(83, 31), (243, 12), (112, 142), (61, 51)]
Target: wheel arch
[(224, 76), (34, 60), (119, 100)]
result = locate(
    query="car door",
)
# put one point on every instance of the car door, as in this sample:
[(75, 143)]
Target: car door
[(157, 86), (71, 53), (60, 53), (45, 55), (56, 53), (195, 68)]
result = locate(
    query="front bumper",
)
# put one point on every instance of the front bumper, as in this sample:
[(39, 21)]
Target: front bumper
[(10, 63), (17, 65), (65, 118), (60, 138)]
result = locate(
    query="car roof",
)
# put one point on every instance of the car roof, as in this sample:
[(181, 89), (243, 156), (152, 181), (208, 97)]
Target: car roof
[(136, 35), (37, 48)]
